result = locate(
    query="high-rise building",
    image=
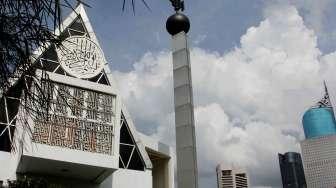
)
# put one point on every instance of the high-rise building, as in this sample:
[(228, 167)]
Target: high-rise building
[(319, 159), (319, 147), (85, 137), (231, 177), (291, 168)]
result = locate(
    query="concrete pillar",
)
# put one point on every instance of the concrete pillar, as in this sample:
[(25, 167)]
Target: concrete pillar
[(184, 114)]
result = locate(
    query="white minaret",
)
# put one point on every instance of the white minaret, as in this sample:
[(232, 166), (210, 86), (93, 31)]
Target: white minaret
[(178, 25)]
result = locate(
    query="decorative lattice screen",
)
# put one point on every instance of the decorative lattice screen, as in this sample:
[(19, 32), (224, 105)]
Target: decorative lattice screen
[(77, 119)]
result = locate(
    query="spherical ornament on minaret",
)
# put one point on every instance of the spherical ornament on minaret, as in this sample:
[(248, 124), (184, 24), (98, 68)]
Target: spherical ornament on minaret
[(176, 23)]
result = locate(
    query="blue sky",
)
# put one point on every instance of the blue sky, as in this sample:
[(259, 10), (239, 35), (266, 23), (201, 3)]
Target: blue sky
[(251, 62), (215, 26)]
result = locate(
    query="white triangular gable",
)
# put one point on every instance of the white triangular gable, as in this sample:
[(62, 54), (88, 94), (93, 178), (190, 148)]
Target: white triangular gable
[(136, 137), (80, 11)]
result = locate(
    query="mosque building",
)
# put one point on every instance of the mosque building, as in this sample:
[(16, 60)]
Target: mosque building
[(89, 138)]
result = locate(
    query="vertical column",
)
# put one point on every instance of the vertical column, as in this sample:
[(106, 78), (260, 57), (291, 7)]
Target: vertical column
[(184, 114)]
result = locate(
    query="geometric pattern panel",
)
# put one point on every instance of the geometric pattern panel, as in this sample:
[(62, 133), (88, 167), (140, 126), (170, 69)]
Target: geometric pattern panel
[(77, 119), (9, 109), (49, 60), (129, 155), (73, 133), (76, 102)]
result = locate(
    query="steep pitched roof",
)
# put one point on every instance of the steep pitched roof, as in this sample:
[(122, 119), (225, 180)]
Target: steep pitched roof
[(79, 12)]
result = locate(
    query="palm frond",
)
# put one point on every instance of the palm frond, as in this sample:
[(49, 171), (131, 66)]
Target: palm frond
[(145, 3), (123, 7), (24, 27), (133, 5)]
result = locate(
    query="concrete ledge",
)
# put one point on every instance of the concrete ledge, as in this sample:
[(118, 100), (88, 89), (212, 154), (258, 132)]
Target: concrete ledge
[(58, 161)]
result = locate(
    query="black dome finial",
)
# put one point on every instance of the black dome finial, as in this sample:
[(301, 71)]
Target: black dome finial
[(177, 22)]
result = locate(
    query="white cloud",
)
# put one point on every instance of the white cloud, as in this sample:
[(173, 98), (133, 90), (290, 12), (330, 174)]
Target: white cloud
[(249, 101), (319, 16), (199, 39), (314, 12)]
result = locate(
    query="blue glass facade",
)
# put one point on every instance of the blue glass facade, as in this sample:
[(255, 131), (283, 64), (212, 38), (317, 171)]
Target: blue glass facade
[(291, 169), (319, 122)]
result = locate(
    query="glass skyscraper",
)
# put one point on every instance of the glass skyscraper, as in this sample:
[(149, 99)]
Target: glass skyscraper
[(291, 168), (319, 147)]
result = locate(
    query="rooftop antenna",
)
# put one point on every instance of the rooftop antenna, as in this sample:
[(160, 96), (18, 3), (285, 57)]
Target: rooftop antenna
[(325, 101), (325, 87)]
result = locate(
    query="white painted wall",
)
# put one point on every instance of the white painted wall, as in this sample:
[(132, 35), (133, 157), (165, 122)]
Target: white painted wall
[(121, 178), (166, 169), (124, 178), (8, 164), (73, 156)]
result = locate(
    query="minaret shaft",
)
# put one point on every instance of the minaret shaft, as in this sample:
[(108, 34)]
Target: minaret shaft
[(184, 114)]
